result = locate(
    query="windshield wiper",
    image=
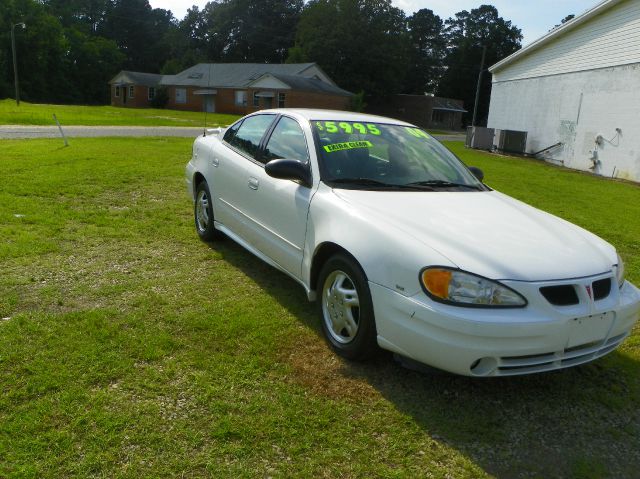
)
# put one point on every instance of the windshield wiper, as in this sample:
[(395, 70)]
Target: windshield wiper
[(444, 184), (359, 181), (372, 182)]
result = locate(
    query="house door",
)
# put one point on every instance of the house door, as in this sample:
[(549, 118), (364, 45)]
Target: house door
[(268, 102), (209, 104)]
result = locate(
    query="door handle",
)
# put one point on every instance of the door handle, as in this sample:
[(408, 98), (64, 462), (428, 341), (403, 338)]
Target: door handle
[(215, 161), (253, 183)]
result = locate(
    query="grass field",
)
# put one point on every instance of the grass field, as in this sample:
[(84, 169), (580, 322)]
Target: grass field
[(128, 348), (41, 114)]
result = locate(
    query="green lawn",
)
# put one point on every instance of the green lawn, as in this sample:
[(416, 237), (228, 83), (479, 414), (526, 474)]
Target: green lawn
[(38, 114), (128, 348)]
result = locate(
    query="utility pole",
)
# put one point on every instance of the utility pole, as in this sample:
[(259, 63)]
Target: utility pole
[(15, 63), (475, 106)]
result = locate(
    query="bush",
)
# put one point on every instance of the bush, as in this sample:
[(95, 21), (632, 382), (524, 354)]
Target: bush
[(161, 98), (357, 102)]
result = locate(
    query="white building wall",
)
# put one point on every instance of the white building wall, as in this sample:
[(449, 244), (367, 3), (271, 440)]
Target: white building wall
[(611, 38), (574, 109)]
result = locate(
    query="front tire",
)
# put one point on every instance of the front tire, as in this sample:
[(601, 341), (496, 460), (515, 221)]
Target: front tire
[(203, 213), (346, 309)]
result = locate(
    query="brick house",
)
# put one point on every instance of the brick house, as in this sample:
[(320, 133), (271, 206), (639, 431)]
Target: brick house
[(134, 89), (235, 88)]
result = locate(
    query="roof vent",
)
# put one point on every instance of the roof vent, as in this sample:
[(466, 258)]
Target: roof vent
[(195, 76)]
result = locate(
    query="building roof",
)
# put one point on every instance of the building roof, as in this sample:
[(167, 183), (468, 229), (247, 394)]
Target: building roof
[(446, 104), (138, 78), (210, 76), (300, 83), (230, 75), (555, 33)]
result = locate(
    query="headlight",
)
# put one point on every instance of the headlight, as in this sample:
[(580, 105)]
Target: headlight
[(459, 288), (618, 269)]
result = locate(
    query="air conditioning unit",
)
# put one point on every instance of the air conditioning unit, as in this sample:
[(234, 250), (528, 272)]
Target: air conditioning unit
[(510, 141), (479, 137)]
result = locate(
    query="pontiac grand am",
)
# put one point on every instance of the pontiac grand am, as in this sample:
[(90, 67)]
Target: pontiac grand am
[(404, 248)]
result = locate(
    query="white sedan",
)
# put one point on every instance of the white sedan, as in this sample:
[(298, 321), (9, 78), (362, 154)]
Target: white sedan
[(405, 248)]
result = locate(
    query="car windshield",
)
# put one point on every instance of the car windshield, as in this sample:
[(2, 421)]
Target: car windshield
[(365, 155)]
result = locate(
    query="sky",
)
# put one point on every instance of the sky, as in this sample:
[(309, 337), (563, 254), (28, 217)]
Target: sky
[(533, 17)]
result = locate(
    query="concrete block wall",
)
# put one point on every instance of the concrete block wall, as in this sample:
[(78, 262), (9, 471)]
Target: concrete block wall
[(575, 109)]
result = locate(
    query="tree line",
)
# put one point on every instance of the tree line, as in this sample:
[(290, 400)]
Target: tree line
[(70, 49)]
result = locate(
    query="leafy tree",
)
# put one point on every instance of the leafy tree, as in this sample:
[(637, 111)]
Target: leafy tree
[(259, 31), (41, 51), (188, 42), (83, 15), (563, 21), (91, 62), (361, 44), (466, 35), (140, 32), (426, 55)]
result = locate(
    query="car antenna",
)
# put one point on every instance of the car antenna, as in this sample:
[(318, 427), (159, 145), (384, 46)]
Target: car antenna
[(204, 133)]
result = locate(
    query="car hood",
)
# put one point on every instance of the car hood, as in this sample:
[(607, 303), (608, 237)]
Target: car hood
[(488, 233)]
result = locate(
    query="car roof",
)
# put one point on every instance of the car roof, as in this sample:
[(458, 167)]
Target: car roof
[(335, 115)]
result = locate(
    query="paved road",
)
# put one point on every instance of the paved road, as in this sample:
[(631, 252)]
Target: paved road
[(15, 131), (19, 131)]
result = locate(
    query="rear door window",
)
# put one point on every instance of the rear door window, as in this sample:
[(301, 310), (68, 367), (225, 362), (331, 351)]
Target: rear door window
[(247, 138), (231, 132)]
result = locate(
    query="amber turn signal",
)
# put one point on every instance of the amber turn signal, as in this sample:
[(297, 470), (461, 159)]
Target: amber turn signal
[(437, 282)]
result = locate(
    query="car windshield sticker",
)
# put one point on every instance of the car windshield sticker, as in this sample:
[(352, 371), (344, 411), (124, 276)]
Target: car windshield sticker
[(347, 127), (418, 133), (349, 145)]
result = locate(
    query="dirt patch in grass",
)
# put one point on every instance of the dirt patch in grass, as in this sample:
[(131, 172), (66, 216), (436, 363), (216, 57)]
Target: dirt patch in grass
[(316, 368)]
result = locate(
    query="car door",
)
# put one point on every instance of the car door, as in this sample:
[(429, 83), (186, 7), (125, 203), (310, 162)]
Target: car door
[(278, 207), (239, 147)]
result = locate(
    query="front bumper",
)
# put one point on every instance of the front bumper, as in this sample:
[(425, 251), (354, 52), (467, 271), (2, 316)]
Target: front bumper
[(503, 342)]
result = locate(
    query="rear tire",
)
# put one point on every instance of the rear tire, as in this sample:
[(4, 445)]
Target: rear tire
[(203, 213), (346, 309)]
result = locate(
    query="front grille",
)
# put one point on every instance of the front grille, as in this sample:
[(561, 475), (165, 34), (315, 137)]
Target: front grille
[(563, 295), (513, 365), (601, 288)]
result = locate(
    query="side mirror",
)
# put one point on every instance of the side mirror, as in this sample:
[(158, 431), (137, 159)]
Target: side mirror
[(289, 170), (477, 172)]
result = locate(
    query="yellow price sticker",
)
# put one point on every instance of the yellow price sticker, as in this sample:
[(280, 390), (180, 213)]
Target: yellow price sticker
[(418, 133), (347, 145), (347, 127)]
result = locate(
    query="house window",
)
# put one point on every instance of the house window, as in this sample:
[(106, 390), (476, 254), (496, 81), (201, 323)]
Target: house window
[(281, 98), (152, 93), (181, 95), (132, 90), (117, 92), (256, 99), (241, 98)]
